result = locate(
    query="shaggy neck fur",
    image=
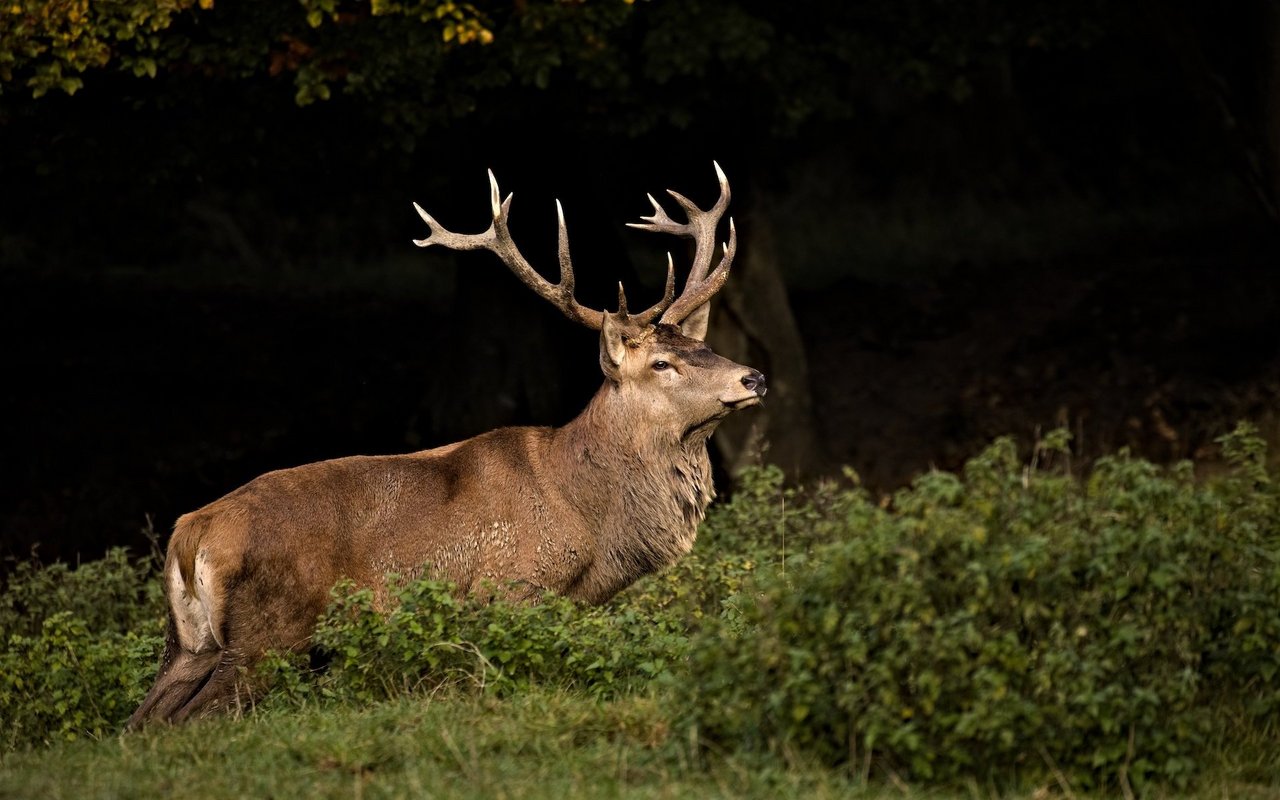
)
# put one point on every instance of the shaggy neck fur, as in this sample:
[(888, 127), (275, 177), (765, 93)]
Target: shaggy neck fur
[(649, 487)]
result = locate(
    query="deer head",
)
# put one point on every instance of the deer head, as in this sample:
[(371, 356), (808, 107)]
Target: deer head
[(655, 362)]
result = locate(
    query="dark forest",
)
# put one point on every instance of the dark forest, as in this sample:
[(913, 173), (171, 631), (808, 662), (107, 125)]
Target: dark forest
[(956, 221)]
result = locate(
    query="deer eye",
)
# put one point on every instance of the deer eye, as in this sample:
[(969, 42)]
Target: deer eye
[(660, 365)]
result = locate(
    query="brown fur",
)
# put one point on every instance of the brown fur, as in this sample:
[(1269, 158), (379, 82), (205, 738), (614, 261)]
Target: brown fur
[(582, 510)]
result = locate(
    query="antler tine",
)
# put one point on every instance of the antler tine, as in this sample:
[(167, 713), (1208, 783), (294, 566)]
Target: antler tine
[(497, 240), (494, 195), (697, 293), (566, 264), (658, 221), (668, 294), (701, 227)]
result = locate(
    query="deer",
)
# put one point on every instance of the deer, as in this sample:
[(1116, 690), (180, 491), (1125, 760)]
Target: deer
[(581, 510)]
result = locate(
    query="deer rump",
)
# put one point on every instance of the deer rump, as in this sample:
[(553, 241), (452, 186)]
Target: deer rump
[(582, 510)]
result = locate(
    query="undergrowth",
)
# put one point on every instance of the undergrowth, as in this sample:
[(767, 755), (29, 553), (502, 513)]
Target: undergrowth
[(79, 646), (432, 641), (1007, 625), (1009, 621)]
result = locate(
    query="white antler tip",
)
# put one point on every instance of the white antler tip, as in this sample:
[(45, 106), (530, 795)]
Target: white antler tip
[(719, 173), (559, 211), (425, 216), (422, 242), (494, 194)]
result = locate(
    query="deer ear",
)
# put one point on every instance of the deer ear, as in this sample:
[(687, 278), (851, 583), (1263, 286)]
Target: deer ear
[(695, 325), (612, 348)]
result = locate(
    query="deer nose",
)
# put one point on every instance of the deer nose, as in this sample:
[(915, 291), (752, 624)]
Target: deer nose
[(754, 381)]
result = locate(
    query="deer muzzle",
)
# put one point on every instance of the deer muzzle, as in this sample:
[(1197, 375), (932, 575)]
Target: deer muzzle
[(754, 382)]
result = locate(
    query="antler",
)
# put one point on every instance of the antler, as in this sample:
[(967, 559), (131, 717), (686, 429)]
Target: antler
[(497, 240), (701, 227)]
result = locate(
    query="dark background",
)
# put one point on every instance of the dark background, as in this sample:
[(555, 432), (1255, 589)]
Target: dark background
[(958, 220)]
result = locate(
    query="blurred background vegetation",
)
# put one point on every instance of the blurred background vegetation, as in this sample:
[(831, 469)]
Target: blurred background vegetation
[(958, 220)]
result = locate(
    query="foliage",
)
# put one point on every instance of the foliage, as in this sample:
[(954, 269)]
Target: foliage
[(627, 66), (1011, 620), (79, 647), (115, 593), (71, 680), (431, 640), (54, 42), (362, 46)]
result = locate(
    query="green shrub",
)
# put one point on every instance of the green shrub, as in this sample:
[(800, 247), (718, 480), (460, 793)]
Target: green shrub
[(79, 647), (71, 680), (432, 639), (1007, 620), (114, 593)]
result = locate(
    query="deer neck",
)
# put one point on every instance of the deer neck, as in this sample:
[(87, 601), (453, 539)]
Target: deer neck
[(643, 489)]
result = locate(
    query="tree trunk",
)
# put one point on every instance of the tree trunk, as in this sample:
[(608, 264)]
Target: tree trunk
[(752, 323)]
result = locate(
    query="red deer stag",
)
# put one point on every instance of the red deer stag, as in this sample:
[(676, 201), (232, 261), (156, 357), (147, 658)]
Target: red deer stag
[(583, 510)]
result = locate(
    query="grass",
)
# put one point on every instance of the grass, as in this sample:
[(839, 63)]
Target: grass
[(541, 744)]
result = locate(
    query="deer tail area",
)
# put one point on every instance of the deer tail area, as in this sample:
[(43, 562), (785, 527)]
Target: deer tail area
[(198, 672)]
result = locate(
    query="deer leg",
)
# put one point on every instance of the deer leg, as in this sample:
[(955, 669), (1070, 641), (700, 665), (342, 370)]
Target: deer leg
[(182, 675), (224, 689)]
